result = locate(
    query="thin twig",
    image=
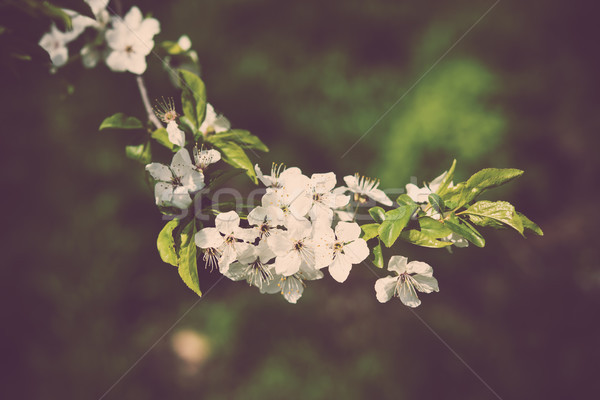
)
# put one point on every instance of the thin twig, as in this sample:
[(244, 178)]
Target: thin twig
[(146, 100)]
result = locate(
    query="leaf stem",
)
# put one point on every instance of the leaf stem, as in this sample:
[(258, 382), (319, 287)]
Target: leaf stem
[(144, 94)]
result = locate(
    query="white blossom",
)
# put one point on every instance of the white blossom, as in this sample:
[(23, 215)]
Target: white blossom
[(226, 240), (175, 182), (213, 123), (363, 187), (264, 221), (130, 41), (411, 277), (252, 265), (291, 287), (420, 195), (339, 250), (175, 135), (294, 248), (203, 158), (55, 44), (323, 198)]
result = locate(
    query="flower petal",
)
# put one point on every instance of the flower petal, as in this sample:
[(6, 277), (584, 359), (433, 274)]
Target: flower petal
[(227, 222), (160, 172), (323, 183), (408, 294), (347, 231), (340, 268), (207, 238), (384, 288), (426, 284), (280, 244), (357, 251), (163, 193), (379, 196), (398, 264), (181, 198), (419, 267), (288, 264), (176, 135)]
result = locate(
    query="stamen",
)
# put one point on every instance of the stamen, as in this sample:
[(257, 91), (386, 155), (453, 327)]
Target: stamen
[(165, 110)]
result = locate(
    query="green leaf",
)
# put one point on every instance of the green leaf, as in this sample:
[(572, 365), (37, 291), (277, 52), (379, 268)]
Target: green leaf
[(436, 202), (447, 179), (221, 176), (244, 138), (369, 231), (495, 214), (121, 121), (166, 244), (162, 137), (529, 224), (405, 199), (377, 256), (493, 177), (466, 230), (193, 97), (235, 156), (377, 213), (395, 221), (421, 238), (141, 153), (188, 268), (433, 228)]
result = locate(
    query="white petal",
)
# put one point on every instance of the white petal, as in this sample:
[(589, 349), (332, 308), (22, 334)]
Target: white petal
[(323, 183), (384, 288), (300, 206), (184, 42), (265, 179), (288, 264), (408, 295), (347, 231), (257, 215), (209, 119), (280, 244), (357, 251), (163, 193), (379, 196), (136, 64), (159, 172), (418, 195), (426, 284), (340, 268), (148, 28), (398, 264), (227, 222), (419, 267), (309, 273), (352, 183), (133, 18), (117, 61), (221, 124), (193, 180), (176, 135), (434, 185), (236, 271), (181, 198), (181, 163), (207, 238)]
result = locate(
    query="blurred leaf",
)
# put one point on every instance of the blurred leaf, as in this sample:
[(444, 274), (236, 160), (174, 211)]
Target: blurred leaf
[(495, 214), (395, 221), (221, 176), (193, 97), (235, 156), (423, 239), (369, 231), (162, 137), (188, 267), (141, 153), (465, 229), (121, 121), (377, 256), (377, 213), (529, 224), (244, 138), (166, 244)]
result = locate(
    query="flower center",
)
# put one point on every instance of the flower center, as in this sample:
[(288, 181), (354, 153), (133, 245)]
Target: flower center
[(176, 181), (211, 258), (129, 49), (258, 273), (298, 246)]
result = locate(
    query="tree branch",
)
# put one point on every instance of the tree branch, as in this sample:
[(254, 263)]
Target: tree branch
[(144, 93)]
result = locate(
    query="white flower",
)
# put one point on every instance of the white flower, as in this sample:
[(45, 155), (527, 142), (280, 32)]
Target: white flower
[(323, 198), (252, 266), (225, 241), (340, 250), (289, 180), (291, 287), (405, 285), (184, 42), (130, 41), (294, 248), (293, 207), (420, 195), (176, 135), (213, 123), (175, 182), (365, 187), (265, 220), (55, 44), (203, 158), (97, 6)]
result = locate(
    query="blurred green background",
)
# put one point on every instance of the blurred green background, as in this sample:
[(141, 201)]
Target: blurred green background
[(85, 294)]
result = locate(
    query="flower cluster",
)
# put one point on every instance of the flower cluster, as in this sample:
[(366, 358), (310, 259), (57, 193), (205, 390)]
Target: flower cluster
[(123, 43)]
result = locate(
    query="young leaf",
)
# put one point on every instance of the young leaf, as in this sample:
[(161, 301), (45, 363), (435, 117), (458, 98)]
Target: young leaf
[(140, 153), (162, 137), (121, 121), (433, 228), (465, 229), (494, 214), (395, 221), (377, 213), (529, 224), (166, 244), (188, 268), (377, 256), (235, 156), (405, 199), (436, 202), (423, 239), (369, 231), (447, 179), (193, 97), (493, 177), (244, 138)]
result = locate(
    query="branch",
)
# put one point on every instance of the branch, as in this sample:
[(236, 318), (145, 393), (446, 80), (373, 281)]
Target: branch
[(144, 93)]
